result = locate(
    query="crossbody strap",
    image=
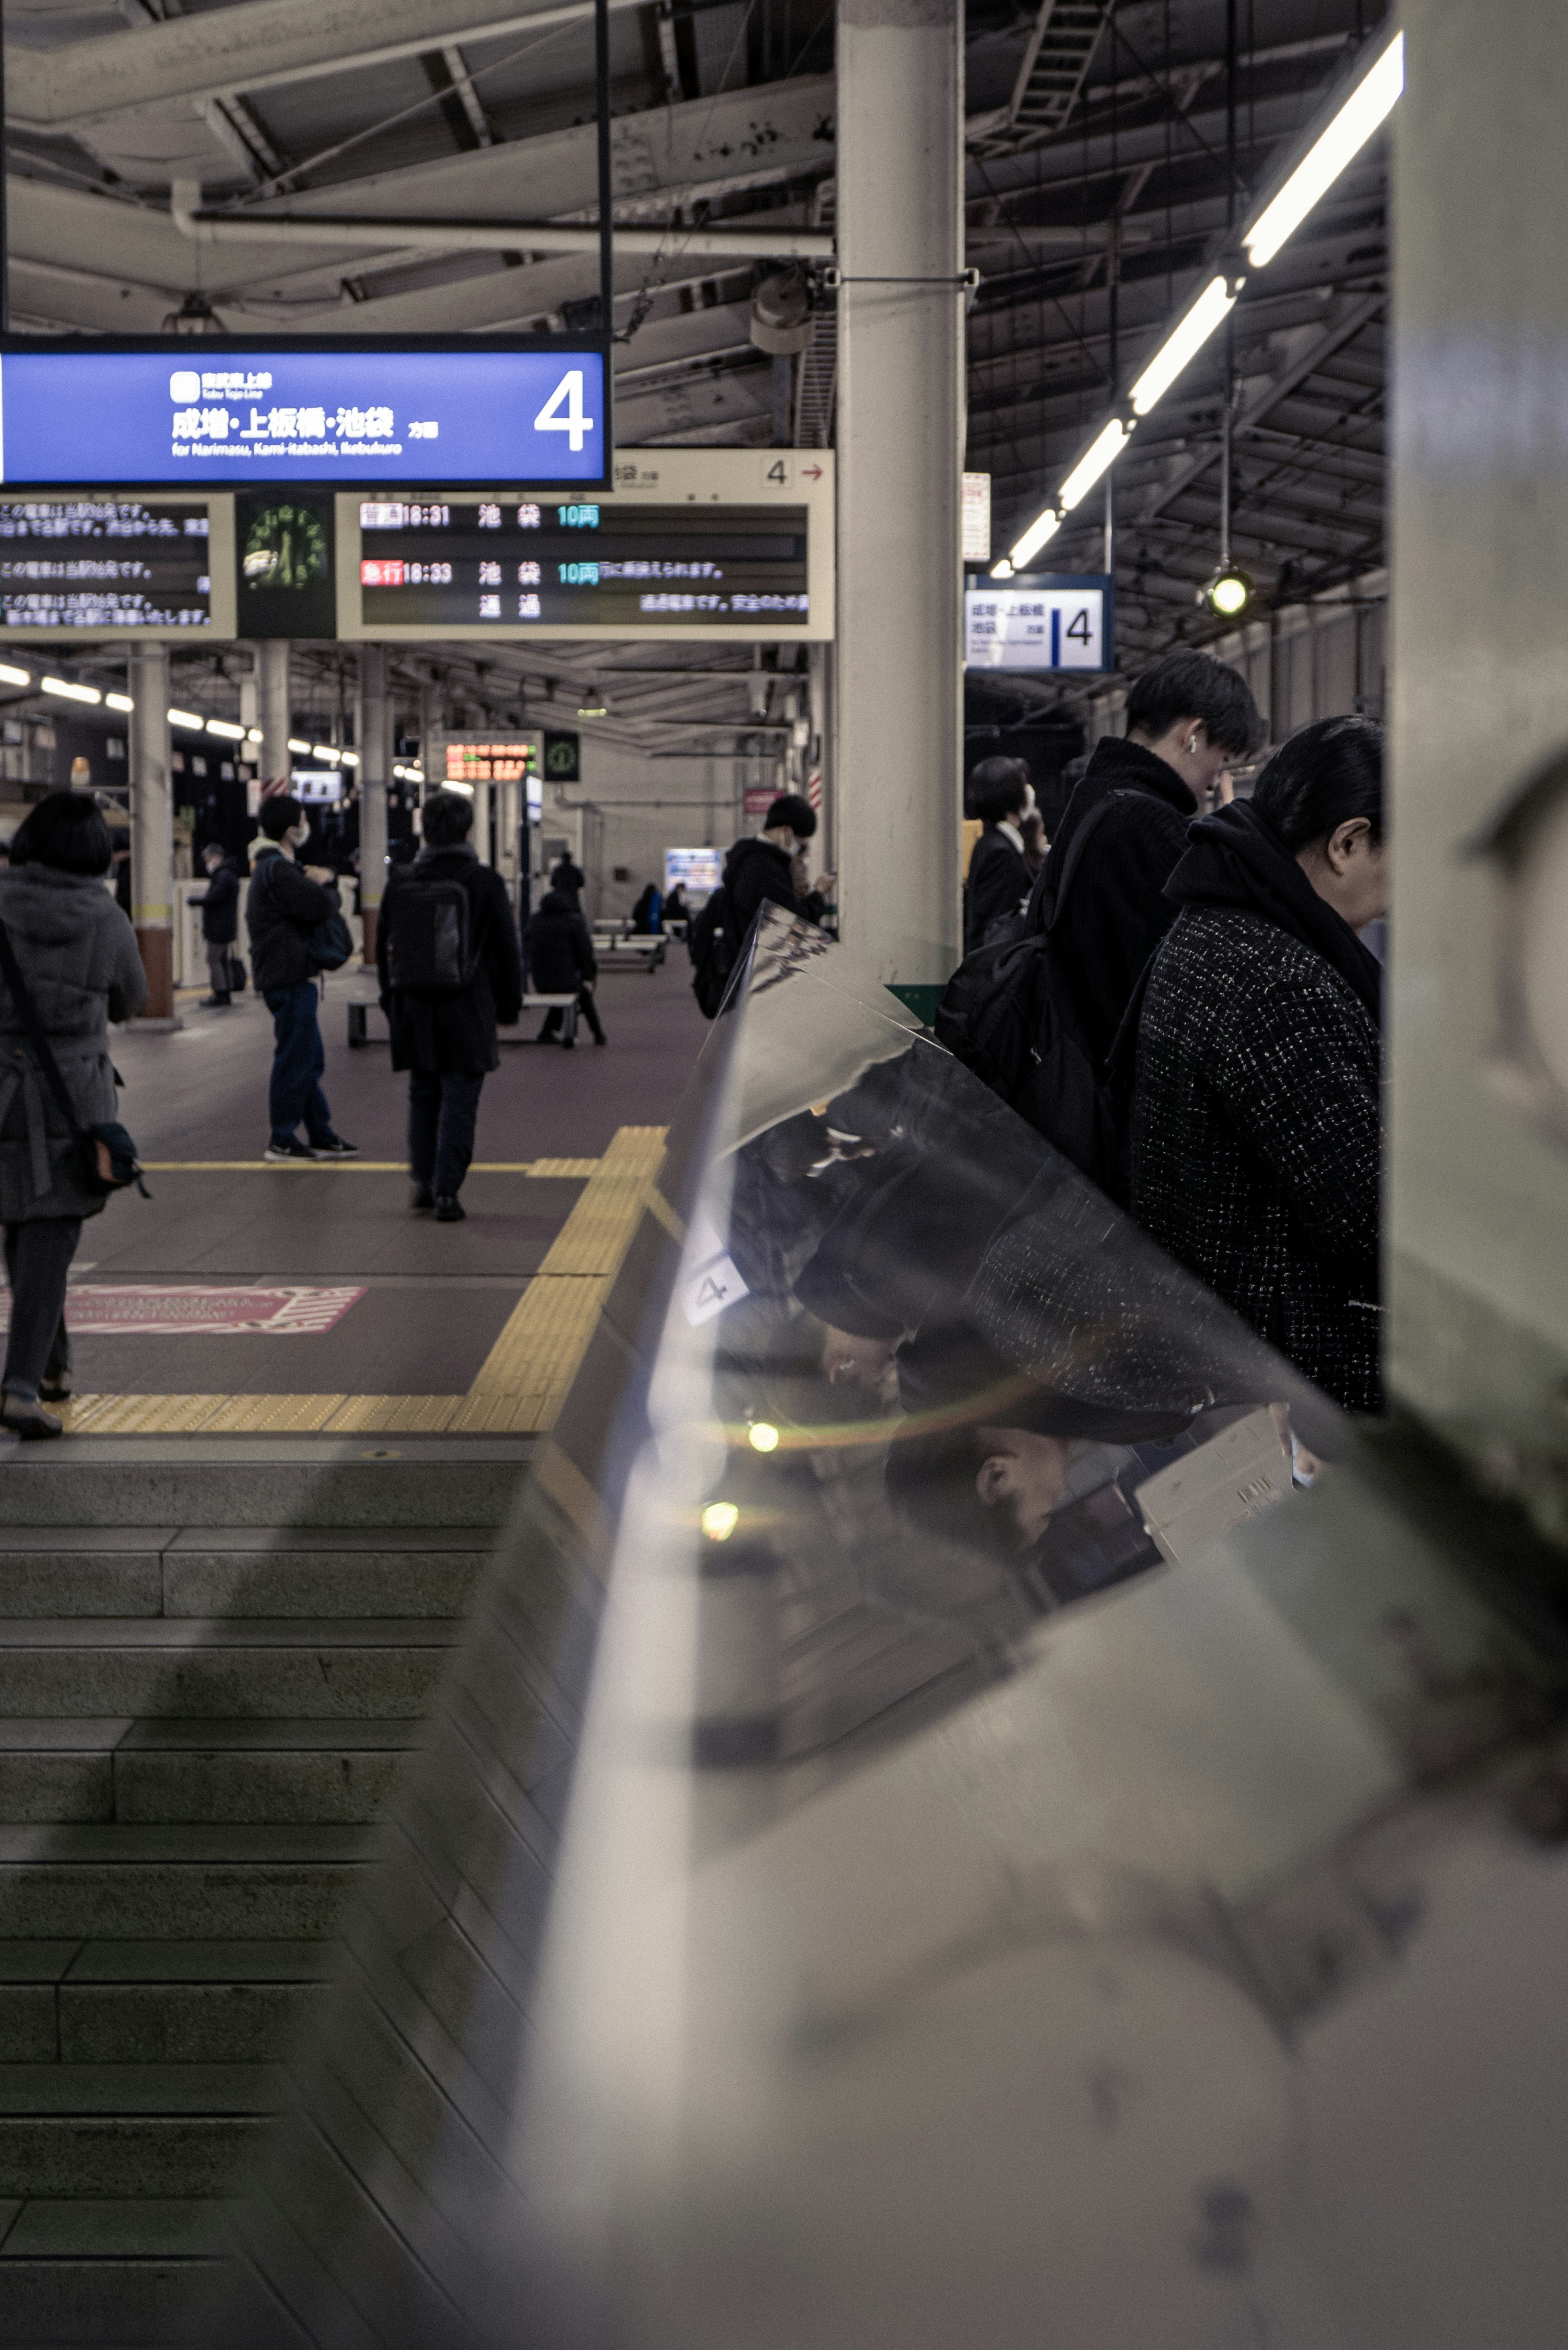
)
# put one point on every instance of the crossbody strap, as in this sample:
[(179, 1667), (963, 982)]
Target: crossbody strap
[(18, 988), (1074, 856)]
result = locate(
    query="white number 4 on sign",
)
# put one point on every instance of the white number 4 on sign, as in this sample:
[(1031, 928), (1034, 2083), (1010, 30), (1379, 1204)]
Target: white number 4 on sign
[(550, 419)]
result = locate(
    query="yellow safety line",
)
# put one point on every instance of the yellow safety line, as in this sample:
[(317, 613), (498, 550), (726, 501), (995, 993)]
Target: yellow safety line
[(523, 1381)]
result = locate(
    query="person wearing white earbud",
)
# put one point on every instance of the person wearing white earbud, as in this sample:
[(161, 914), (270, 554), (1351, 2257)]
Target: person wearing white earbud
[(1190, 719)]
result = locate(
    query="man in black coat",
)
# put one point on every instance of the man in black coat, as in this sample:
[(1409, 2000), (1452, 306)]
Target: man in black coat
[(444, 1035), (760, 871), (220, 924), (284, 904), (561, 958), (1189, 718), (1000, 876)]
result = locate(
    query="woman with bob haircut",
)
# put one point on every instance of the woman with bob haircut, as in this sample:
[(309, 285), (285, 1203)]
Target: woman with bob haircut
[(78, 960), (1257, 1130)]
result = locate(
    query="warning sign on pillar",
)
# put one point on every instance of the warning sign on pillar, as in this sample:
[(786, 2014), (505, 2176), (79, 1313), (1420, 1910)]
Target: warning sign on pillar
[(814, 789)]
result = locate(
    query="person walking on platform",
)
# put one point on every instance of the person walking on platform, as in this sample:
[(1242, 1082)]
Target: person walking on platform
[(284, 904), (451, 971), (561, 958), (77, 959), (1000, 874), (220, 924), (1189, 719), (569, 879)]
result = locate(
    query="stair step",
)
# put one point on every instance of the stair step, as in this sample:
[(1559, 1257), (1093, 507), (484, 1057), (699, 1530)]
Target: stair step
[(192, 1883), (112, 2131), (151, 1666), (209, 2003), (245, 1571), (129, 1481), (57, 1771), (113, 2272)]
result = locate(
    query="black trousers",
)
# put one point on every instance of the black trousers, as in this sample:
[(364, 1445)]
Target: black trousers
[(442, 1113), (38, 1258), (586, 1006)]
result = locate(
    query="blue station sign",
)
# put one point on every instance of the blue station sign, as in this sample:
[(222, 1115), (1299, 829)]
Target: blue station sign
[(217, 412)]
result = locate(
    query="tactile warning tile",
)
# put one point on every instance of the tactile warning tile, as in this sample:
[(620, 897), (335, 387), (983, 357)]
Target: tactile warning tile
[(262, 1414), (542, 1344), (596, 1235), (142, 1415), (574, 1170), (395, 1415)]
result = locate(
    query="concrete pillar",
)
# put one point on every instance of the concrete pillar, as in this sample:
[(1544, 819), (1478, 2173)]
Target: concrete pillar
[(374, 742), (1478, 1188), (152, 830), (276, 722), (481, 833), (901, 458)]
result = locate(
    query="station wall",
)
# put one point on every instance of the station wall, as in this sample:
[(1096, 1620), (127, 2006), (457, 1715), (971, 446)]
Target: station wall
[(633, 806)]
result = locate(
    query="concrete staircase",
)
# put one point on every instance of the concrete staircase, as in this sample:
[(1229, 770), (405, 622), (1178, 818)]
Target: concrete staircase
[(200, 1721)]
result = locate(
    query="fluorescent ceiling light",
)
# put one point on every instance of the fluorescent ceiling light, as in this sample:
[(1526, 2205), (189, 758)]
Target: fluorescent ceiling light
[(451, 784), (186, 718), (120, 700), (1098, 459), (304, 747), (253, 733), (227, 729), (68, 690), (1002, 570), (1183, 343), (324, 751), (1368, 105), (9, 676), (349, 758), (1043, 527)]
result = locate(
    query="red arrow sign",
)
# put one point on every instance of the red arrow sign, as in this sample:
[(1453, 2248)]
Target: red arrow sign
[(812, 472)]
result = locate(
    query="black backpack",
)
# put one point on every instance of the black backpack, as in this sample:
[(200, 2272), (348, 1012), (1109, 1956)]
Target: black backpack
[(429, 951), (712, 952), (1009, 1014)]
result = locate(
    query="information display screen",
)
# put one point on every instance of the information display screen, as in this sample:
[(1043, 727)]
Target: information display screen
[(246, 414), (698, 870), (104, 562), (469, 759), (1058, 622), (316, 787), (509, 562)]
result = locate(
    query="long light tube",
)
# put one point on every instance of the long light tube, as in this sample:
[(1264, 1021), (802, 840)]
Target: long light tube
[(68, 690), (1369, 104), (9, 676), (120, 700), (1182, 345), (1043, 527), (1098, 458), (187, 718), (226, 728)]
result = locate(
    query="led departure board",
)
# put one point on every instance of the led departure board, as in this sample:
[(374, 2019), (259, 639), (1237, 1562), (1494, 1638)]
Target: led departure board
[(489, 561), (241, 414), (143, 566)]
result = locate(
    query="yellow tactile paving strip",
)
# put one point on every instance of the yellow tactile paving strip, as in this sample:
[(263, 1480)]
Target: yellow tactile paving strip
[(523, 1381), (574, 1170)]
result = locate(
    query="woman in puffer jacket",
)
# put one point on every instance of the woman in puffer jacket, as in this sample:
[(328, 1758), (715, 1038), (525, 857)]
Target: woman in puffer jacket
[(78, 960)]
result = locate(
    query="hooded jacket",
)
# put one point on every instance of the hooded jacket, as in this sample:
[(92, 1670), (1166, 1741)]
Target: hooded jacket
[(221, 905), (79, 960), (453, 1035), (560, 951), (1257, 1115), (757, 873), (1116, 911), (281, 908)]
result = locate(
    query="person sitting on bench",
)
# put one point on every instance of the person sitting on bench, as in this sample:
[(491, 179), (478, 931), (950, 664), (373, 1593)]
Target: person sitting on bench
[(561, 959)]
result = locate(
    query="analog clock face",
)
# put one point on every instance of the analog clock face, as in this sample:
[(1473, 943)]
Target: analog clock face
[(286, 547)]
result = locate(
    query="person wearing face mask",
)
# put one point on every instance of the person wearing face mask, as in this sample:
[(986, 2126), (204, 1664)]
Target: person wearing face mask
[(1189, 719), (284, 904), (1256, 1124), (760, 871)]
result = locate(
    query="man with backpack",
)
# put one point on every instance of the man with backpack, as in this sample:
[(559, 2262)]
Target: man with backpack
[(291, 913), (560, 959), (451, 971), (759, 871)]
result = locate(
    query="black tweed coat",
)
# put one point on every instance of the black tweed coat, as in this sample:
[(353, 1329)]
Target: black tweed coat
[(1257, 1139)]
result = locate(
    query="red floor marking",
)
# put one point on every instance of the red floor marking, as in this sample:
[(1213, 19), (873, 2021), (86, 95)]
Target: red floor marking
[(279, 1312)]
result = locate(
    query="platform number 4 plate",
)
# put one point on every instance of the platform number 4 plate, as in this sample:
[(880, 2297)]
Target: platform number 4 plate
[(711, 1287), (563, 412)]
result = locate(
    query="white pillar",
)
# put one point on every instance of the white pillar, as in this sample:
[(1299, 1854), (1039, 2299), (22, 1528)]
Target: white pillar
[(152, 829), (276, 722), (374, 745), (901, 458), (1478, 1188), (481, 833)]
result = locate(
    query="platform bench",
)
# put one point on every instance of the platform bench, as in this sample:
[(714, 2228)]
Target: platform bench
[(359, 1021)]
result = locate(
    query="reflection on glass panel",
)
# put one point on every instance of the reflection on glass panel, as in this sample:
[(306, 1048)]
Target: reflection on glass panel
[(933, 1836)]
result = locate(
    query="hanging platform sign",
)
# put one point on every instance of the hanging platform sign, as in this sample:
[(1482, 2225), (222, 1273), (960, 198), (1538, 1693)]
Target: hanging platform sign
[(1057, 620), (241, 414)]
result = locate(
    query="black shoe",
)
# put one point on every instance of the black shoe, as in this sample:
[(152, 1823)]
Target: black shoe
[(290, 1153), (29, 1421), (601, 1040), (50, 1393), (449, 1210), (335, 1148), (216, 1004), (423, 1201)]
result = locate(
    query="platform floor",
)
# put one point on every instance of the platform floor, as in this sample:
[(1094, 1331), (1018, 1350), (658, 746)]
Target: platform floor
[(565, 1138)]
